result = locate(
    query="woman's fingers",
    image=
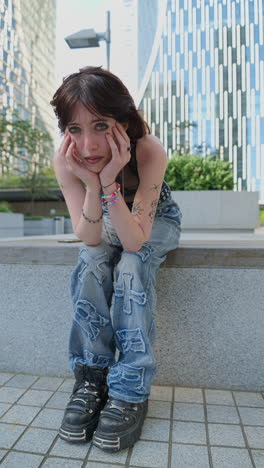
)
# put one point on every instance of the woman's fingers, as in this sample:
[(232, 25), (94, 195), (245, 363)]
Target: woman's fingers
[(64, 144), (113, 145)]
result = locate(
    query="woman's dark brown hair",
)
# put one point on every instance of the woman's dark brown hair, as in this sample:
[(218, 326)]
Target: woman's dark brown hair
[(101, 92)]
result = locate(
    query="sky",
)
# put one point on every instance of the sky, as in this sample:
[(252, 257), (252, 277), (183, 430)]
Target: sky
[(72, 16)]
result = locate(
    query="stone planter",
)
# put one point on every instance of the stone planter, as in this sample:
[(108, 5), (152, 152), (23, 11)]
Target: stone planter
[(11, 225), (218, 210), (68, 226), (38, 227)]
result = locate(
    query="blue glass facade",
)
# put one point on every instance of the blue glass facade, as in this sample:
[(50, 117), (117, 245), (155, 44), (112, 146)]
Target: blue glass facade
[(205, 88), (27, 64)]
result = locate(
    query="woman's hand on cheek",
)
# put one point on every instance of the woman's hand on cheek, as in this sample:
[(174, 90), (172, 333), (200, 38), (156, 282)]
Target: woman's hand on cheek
[(59, 156), (76, 166), (120, 148)]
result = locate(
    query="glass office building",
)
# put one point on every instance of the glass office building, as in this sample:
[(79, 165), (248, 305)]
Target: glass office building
[(203, 86), (27, 63)]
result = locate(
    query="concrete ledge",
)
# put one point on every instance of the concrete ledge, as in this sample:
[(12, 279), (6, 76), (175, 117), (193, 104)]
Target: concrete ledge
[(210, 321)]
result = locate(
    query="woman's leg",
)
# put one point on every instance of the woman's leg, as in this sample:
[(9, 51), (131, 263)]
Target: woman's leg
[(133, 309), (92, 347), (91, 337)]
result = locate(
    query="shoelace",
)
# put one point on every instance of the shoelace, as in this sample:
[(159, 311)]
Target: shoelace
[(118, 412), (86, 390)]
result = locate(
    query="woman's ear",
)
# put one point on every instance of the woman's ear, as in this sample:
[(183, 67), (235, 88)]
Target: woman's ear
[(125, 125)]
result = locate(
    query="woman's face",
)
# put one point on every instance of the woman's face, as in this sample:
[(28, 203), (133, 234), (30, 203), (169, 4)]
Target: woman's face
[(88, 132)]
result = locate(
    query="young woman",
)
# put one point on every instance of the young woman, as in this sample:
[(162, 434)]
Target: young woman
[(110, 170)]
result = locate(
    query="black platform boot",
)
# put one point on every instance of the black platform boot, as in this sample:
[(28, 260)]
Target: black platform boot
[(120, 425), (89, 396)]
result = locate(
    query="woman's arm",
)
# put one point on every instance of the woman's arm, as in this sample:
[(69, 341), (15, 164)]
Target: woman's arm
[(82, 203), (134, 228)]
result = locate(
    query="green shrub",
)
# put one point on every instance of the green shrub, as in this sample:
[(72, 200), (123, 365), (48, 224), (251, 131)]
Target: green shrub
[(261, 217), (33, 218), (5, 207), (192, 172)]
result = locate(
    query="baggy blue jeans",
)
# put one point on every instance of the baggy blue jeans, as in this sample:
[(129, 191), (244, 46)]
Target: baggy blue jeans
[(114, 299)]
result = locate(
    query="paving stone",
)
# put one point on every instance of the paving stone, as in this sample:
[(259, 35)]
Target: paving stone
[(226, 434), (2, 453), (49, 418), (3, 408), (67, 385), (186, 456), (35, 397), (62, 463), (258, 456), (16, 459), (150, 454), (91, 464), (9, 433), (222, 414), (189, 433), (161, 393), (219, 397), (188, 412), (4, 377), (36, 440), (98, 455), (252, 416), (230, 458), (20, 414), (255, 436), (47, 383), (156, 429), (249, 399), (190, 395), (10, 394), (159, 409), (64, 449), (22, 381), (59, 400)]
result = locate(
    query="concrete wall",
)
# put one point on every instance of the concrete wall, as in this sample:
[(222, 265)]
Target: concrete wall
[(210, 314), (218, 209)]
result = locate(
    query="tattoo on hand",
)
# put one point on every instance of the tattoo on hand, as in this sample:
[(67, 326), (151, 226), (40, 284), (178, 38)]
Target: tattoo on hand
[(155, 187), (136, 209), (154, 205)]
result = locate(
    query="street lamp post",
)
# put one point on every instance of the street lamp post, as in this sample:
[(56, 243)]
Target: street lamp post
[(90, 38)]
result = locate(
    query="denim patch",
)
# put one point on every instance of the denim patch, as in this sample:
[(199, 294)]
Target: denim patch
[(131, 340), (145, 252), (98, 360), (127, 375), (129, 294), (88, 319), (93, 265)]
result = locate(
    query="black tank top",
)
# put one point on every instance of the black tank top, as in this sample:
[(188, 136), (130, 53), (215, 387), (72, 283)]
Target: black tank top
[(131, 179)]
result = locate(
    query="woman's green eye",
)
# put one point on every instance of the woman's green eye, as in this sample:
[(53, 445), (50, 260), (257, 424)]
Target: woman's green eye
[(74, 129), (101, 126)]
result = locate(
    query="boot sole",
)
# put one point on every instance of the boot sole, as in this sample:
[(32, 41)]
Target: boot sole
[(115, 442), (70, 434)]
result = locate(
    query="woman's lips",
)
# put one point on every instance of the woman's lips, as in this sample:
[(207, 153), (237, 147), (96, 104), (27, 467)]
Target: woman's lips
[(93, 160)]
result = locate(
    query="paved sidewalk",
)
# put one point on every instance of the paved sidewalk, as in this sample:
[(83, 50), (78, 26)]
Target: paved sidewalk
[(184, 428)]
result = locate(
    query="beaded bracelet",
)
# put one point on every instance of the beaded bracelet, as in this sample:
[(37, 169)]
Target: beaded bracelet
[(91, 220), (112, 198)]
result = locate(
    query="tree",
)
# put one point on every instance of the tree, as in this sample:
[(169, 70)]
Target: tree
[(21, 141), (31, 147)]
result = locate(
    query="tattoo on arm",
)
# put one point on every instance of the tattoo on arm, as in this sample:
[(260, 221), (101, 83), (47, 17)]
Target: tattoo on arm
[(156, 187), (136, 208), (152, 212), (62, 186)]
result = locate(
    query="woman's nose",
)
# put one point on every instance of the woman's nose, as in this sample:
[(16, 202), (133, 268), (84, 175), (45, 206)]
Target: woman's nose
[(90, 143)]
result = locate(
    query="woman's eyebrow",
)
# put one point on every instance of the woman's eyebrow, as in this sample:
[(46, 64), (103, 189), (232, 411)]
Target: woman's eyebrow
[(72, 123)]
